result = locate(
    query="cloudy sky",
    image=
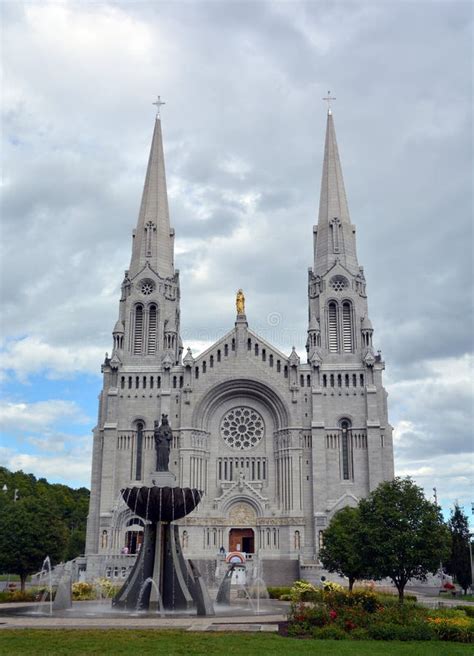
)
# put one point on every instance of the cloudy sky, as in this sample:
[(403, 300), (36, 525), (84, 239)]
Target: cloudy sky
[(244, 129)]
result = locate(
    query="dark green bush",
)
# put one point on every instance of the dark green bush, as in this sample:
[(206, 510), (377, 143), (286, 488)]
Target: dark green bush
[(278, 591), (469, 610), (329, 633), (417, 631)]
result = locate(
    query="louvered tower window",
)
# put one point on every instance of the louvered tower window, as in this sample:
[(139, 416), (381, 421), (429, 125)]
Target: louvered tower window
[(347, 339), (139, 454), (332, 327), (152, 330), (138, 330), (345, 430)]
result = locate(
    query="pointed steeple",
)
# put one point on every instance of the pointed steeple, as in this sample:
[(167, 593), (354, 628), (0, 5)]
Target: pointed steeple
[(335, 239), (153, 238)]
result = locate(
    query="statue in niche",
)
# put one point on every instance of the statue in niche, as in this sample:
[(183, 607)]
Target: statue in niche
[(163, 436), (240, 302)]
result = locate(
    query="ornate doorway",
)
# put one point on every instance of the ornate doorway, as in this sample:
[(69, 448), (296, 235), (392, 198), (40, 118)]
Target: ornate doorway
[(242, 539)]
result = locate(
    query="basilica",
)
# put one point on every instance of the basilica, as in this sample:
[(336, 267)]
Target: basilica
[(276, 444)]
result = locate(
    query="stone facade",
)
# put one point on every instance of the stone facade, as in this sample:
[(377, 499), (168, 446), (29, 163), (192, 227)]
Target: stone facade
[(277, 445)]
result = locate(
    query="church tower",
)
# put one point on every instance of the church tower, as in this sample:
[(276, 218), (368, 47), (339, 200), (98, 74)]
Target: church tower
[(352, 439), (146, 345)]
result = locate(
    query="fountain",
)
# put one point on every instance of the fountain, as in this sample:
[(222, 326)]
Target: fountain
[(178, 583)]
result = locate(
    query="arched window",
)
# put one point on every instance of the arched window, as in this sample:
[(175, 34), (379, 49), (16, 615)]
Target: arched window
[(211, 361), (152, 321), (249, 344), (139, 454), (347, 338), (218, 355), (226, 349), (345, 436), (325, 380), (138, 330), (204, 367), (271, 360), (301, 380), (333, 341)]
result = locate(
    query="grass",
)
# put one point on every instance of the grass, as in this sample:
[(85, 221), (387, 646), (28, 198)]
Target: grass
[(71, 642), (468, 597)]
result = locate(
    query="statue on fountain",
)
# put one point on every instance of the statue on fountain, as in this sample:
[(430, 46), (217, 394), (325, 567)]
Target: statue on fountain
[(160, 564), (163, 436)]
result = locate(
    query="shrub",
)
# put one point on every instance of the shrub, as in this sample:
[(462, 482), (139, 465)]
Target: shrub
[(32, 594), (418, 631), (329, 586), (330, 632), (456, 629), (469, 610), (278, 592), (82, 591), (317, 615), (304, 591)]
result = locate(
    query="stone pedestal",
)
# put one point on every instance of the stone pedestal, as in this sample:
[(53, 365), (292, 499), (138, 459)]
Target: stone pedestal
[(163, 479)]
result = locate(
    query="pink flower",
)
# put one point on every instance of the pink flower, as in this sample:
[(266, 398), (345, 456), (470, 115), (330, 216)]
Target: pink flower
[(332, 614)]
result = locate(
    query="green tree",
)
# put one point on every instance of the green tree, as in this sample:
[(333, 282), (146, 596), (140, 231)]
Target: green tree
[(70, 505), (459, 561), (340, 552), (403, 536), (30, 530)]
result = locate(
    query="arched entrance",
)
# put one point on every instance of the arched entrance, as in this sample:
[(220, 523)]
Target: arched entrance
[(242, 539), (242, 536), (134, 535)]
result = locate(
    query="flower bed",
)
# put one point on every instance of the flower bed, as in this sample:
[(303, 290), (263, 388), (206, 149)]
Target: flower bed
[(334, 613)]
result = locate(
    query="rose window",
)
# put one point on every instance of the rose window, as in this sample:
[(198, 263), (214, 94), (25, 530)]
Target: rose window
[(338, 283), (146, 287), (242, 428)]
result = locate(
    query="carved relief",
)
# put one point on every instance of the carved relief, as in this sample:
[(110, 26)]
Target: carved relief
[(242, 514)]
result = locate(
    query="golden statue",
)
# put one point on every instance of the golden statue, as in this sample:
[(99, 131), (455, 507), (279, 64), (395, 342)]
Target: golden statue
[(240, 302)]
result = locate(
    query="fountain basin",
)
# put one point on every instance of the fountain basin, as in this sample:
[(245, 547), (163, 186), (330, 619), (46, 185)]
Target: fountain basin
[(161, 504)]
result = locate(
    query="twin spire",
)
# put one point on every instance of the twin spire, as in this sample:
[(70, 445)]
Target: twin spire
[(154, 238), (335, 234)]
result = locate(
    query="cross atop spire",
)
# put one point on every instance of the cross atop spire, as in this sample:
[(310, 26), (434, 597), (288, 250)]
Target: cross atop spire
[(328, 100), (158, 102)]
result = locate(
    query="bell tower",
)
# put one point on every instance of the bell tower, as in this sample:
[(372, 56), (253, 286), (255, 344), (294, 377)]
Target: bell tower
[(351, 436), (147, 329)]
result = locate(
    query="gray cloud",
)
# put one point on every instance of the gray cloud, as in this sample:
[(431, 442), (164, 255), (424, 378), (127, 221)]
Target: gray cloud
[(244, 133)]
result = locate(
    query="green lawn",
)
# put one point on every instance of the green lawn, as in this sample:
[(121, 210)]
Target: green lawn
[(177, 643)]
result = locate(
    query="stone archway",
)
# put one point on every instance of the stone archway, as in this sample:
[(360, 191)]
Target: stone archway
[(242, 520)]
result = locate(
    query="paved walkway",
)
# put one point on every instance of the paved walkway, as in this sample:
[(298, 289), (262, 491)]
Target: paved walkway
[(267, 623)]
